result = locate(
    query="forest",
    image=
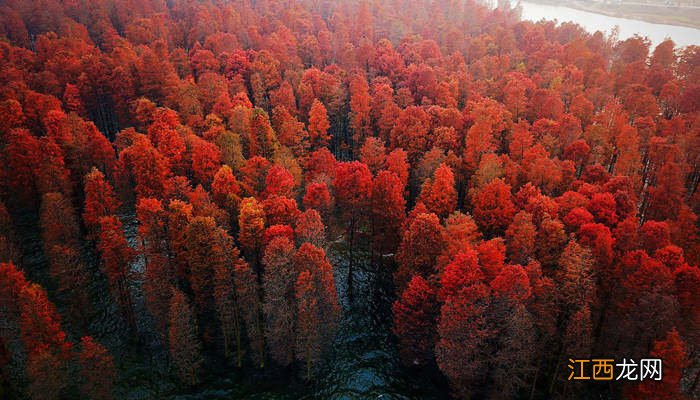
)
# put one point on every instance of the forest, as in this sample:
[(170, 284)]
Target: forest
[(355, 199)]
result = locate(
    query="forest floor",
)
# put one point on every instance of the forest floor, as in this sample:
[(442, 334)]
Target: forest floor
[(688, 16), (362, 364)]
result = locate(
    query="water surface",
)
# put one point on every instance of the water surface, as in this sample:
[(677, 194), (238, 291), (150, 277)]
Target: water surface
[(681, 35)]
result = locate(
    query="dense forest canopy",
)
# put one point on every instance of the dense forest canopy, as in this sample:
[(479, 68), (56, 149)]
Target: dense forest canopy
[(218, 178)]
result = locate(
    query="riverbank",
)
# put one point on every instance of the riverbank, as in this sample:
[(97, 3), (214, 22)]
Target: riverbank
[(687, 16)]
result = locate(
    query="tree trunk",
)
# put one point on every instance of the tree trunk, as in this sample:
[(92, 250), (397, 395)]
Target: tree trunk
[(534, 383), (554, 376), (239, 351), (308, 363), (226, 343), (351, 245), (261, 348)]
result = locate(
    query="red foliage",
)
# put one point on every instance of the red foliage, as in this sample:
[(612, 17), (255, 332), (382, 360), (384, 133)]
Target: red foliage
[(72, 100), (97, 369), (318, 310), (373, 153), (462, 233), (99, 200), (116, 264), (463, 332), (21, 156), (520, 237), (250, 304), (251, 222), (208, 248), (515, 143), (307, 348), (599, 239), (353, 186), (492, 255), (184, 345), (410, 132), (226, 190), (387, 209), (550, 241), (280, 210), (493, 206), (310, 228), (420, 247), (320, 166), (577, 217), (146, 167), (279, 303), (158, 276), (279, 182), (687, 283), (415, 315), (226, 307), (603, 208), (577, 279), (654, 235), (360, 107), (652, 281), (512, 282), (318, 197), (203, 206), (290, 131), (462, 271), (9, 252), (12, 283), (276, 231), (261, 138), (45, 342), (59, 224), (439, 194), (51, 173), (253, 174), (12, 110), (397, 162), (672, 350), (206, 161), (318, 125), (164, 135)]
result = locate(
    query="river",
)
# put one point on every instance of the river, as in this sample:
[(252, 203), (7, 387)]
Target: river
[(681, 35)]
